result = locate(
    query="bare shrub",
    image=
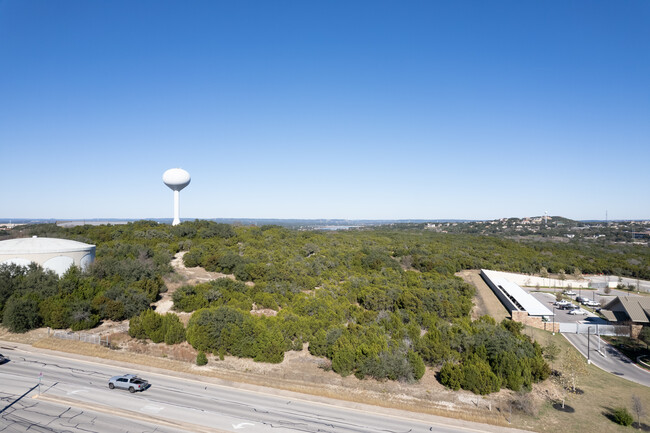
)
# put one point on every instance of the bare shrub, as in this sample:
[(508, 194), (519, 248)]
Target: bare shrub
[(524, 402)]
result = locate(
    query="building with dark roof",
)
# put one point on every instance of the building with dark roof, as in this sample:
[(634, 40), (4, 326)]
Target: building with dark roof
[(635, 309)]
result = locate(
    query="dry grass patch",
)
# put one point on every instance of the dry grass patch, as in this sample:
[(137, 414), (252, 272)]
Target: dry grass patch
[(485, 302), (602, 392)]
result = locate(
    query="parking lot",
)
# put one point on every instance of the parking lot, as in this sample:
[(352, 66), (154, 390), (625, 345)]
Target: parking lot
[(547, 298)]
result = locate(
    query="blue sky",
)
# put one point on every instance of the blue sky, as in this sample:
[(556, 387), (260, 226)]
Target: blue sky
[(331, 109)]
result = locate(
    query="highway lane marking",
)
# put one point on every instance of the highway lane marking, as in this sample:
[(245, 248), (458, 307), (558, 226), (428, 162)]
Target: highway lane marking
[(150, 408), (185, 426), (378, 410)]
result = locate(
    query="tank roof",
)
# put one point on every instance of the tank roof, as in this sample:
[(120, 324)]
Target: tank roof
[(41, 245), (176, 178)]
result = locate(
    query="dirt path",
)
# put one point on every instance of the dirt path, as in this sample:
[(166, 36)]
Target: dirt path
[(485, 302), (183, 276)]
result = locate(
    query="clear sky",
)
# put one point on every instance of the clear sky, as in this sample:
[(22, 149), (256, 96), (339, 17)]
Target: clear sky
[(325, 109)]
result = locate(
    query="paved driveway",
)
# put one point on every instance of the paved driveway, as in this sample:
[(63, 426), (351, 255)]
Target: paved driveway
[(608, 358)]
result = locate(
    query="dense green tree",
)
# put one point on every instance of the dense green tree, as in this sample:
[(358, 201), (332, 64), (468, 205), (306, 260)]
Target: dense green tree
[(21, 314), (451, 375), (343, 356)]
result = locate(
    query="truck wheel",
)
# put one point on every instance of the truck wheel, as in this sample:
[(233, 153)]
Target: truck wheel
[(131, 389), (111, 386)]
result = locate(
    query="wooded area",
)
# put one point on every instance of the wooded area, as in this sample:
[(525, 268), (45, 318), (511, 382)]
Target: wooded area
[(379, 302)]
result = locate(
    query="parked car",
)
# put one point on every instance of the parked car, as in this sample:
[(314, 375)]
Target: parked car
[(578, 311), (128, 381), (562, 303), (570, 293), (581, 299)]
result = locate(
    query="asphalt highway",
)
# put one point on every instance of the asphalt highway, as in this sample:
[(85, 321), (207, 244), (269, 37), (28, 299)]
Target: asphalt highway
[(73, 396)]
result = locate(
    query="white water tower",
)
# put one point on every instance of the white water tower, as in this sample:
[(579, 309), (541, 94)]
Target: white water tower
[(176, 179)]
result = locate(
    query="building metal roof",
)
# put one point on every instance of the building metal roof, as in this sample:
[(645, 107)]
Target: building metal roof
[(522, 299), (36, 245), (636, 308)]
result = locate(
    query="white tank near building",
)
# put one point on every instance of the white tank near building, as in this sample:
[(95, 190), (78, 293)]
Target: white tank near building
[(51, 253)]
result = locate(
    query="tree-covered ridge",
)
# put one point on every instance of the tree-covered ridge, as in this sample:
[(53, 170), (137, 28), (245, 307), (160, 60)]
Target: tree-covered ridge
[(312, 254), (379, 302)]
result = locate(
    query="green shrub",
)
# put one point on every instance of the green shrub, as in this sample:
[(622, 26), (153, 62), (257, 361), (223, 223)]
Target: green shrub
[(173, 328), (135, 328), (270, 347), (344, 356), (201, 359), (87, 323), (205, 330), (318, 343), (451, 375), (479, 378), (416, 364), (157, 328), (623, 417), (152, 324), (21, 314)]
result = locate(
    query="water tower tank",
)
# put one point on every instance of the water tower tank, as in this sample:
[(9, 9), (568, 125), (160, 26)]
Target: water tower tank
[(176, 179)]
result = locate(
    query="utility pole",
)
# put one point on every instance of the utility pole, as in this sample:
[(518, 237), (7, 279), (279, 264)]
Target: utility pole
[(588, 344), (553, 319)]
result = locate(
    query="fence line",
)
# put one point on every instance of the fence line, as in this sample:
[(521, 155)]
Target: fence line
[(80, 336), (596, 329)]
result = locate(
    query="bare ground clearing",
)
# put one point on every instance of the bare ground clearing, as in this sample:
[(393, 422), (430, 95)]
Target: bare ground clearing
[(485, 301)]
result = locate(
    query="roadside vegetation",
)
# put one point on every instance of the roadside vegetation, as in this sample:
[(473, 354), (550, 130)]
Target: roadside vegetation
[(635, 349), (597, 398), (380, 302)]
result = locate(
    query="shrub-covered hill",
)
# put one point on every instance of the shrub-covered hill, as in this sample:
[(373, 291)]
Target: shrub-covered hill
[(377, 302)]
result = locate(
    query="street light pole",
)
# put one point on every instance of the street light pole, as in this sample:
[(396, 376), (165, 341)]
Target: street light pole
[(588, 344), (553, 319)]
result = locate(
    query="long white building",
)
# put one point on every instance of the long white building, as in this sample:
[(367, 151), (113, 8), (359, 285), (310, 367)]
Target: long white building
[(513, 297)]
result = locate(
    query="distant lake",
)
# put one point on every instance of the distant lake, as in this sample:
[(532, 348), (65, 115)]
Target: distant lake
[(335, 227)]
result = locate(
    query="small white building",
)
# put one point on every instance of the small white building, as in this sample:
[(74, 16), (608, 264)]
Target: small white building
[(51, 253)]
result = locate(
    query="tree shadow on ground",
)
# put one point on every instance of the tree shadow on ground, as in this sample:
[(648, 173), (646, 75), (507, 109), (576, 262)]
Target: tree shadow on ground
[(608, 412), (644, 426), (565, 409)]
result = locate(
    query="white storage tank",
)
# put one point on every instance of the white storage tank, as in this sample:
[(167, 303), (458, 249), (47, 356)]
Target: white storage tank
[(51, 253)]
